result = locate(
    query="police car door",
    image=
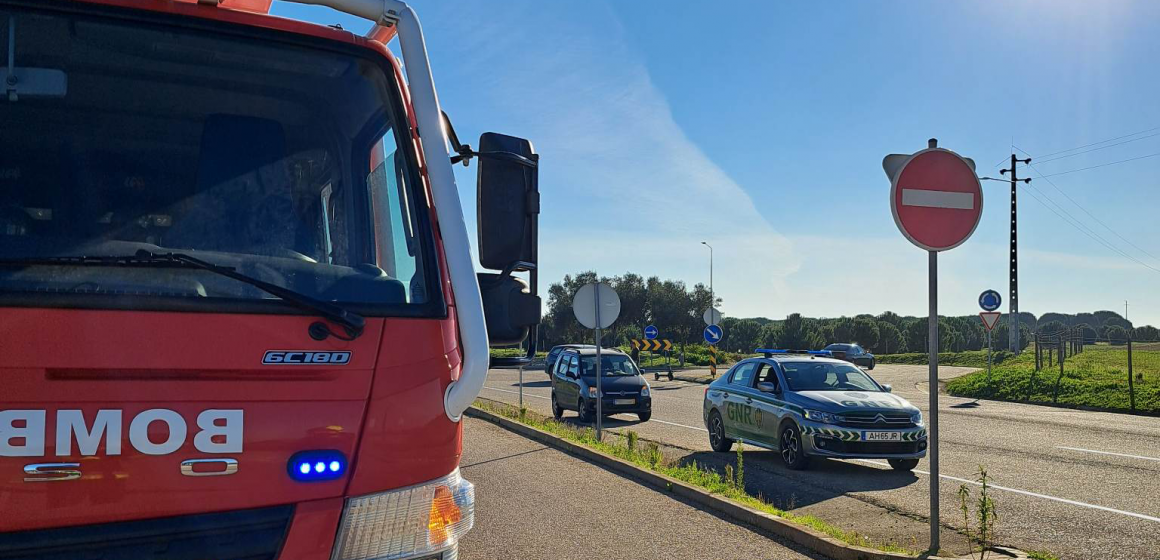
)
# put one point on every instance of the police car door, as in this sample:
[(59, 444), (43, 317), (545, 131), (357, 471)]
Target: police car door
[(738, 413), (768, 407)]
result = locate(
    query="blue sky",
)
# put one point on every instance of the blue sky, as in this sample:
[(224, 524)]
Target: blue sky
[(761, 126)]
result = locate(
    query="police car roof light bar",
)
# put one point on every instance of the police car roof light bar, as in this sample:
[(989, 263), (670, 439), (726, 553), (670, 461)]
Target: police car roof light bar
[(769, 352)]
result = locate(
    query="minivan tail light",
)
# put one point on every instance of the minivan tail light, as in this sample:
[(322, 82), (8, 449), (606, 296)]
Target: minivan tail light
[(408, 522)]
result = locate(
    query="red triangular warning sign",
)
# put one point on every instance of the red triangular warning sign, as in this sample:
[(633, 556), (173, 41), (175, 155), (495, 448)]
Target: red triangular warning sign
[(990, 318)]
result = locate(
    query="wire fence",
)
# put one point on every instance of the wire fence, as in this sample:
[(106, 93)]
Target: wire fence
[(1123, 368)]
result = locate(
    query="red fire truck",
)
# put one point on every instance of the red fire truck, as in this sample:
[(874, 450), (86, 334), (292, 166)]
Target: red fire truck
[(239, 313)]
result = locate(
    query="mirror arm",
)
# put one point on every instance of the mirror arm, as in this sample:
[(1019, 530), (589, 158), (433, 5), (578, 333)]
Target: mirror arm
[(463, 150), (465, 153)]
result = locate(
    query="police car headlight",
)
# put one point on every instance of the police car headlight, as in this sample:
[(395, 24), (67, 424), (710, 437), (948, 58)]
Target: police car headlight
[(823, 417), (644, 392), (592, 392), (916, 418), (406, 523)]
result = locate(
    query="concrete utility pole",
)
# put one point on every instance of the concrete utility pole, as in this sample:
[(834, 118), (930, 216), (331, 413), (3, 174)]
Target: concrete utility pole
[(1013, 296), (712, 297)]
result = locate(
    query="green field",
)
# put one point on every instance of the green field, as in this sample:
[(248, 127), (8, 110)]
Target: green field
[(970, 358), (1096, 378)]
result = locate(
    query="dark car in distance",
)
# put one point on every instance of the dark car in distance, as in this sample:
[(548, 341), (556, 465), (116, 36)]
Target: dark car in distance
[(852, 353), (550, 359), (574, 384)]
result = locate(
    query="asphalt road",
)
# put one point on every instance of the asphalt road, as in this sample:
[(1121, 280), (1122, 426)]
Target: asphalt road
[(1080, 484), (533, 501)]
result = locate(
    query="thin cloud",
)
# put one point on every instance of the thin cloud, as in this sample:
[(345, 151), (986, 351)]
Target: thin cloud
[(624, 188)]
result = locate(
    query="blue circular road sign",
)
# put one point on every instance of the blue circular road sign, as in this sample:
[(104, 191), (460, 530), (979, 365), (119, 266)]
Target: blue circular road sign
[(714, 334), (990, 300), (651, 332)]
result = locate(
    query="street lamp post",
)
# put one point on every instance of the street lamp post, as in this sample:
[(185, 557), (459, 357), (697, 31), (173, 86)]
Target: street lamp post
[(712, 296)]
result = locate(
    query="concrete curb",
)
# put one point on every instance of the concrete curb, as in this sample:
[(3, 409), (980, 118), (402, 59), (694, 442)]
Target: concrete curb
[(800, 534)]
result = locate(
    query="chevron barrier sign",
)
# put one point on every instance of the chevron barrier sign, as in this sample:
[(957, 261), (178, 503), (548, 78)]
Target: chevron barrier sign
[(713, 360), (653, 345)]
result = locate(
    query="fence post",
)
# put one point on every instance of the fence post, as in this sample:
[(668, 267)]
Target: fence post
[(1038, 354), (1131, 382)]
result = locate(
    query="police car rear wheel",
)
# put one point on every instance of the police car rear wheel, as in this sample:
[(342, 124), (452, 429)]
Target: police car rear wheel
[(791, 448), (717, 439), (903, 464)]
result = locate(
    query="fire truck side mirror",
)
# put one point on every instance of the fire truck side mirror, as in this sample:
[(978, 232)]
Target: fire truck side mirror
[(509, 308), (508, 201), (508, 210)]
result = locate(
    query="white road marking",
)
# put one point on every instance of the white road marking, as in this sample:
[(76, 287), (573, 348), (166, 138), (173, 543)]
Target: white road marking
[(681, 425), (938, 199), (526, 394), (1109, 453), (1032, 494)]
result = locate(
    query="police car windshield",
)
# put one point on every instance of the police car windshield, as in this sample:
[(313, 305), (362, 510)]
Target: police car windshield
[(610, 365), (825, 376)]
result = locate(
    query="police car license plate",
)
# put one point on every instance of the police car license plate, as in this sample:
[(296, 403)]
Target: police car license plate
[(623, 402), (881, 436)]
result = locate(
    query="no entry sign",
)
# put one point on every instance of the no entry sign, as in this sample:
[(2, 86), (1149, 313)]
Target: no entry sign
[(936, 199)]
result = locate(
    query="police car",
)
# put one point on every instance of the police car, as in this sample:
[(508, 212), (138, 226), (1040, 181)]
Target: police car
[(807, 404)]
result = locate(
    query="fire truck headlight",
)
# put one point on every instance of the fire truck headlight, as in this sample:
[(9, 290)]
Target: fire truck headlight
[(405, 523)]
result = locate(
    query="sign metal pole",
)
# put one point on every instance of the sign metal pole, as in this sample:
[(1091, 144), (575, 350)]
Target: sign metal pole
[(990, 388), (932, 421), (599, 388)]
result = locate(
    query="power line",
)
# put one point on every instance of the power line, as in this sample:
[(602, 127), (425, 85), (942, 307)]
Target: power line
[(1102, 165), (1092, 235), (1075, 222), (1101, 148), (1090, 215), (1100, 142)]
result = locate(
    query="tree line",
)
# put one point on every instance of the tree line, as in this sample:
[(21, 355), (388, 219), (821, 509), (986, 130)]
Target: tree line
[(676, 310)]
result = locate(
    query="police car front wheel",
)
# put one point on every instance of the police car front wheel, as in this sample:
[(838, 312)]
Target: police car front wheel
[(903, 464), (792, 452)]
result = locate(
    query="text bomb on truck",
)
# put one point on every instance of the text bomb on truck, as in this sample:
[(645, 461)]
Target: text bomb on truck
[(239, 310)]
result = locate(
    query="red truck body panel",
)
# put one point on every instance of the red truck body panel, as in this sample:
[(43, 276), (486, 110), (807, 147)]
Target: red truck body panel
[(129, 361)]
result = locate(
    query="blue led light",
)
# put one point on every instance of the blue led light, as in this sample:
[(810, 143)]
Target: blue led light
[(316, 465)]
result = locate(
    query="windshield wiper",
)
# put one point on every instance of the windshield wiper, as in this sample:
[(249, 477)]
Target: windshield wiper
[(352, 323)]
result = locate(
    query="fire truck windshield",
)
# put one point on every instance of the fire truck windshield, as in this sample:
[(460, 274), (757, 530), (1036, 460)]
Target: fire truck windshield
[(282, 160)]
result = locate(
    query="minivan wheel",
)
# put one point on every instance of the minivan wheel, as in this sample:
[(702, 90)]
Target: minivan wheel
[(644, 416), (557, 411), (871, 364), (585, 416), (903, 464), (717, 439), (792, 452)]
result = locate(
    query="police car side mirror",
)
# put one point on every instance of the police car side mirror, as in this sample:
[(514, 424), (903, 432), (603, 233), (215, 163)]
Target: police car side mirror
[(888, 388), (767, 387)]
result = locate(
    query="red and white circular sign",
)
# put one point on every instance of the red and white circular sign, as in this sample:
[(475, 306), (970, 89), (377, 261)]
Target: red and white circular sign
[(936, 199)]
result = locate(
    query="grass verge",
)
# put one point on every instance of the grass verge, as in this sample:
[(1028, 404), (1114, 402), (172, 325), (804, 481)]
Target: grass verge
[(1095, 378), (1041, 555), (648, 455)]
